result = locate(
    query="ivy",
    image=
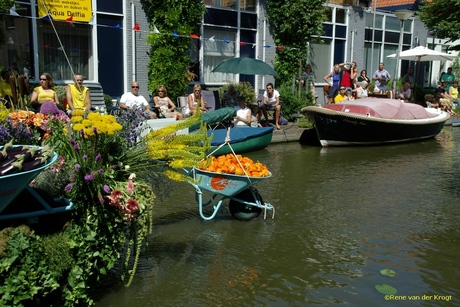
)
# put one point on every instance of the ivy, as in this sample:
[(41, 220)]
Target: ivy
[(294, 23), (169, 62)]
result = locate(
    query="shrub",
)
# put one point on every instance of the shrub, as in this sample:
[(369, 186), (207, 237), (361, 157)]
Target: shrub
[(244, 88), (291, 102), (108, 100)]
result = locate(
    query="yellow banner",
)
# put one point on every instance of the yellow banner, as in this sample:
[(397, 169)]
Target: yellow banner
[(70, 10)]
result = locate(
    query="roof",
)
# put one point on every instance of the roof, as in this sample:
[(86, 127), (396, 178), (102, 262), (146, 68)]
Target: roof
[(385, 3)]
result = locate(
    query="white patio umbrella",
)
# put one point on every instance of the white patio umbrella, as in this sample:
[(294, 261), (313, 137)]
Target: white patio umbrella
[(422, 54)]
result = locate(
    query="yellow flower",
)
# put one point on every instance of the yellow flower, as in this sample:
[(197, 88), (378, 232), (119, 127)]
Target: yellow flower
[(94, 116), (101, 127), (88, 132), (87, 123), (78, 127), (76, 119), (78, 113)]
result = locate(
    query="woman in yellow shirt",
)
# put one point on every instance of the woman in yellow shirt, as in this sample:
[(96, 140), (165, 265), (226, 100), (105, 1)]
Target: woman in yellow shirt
[(453, 92), (44, 92), (6, 88)]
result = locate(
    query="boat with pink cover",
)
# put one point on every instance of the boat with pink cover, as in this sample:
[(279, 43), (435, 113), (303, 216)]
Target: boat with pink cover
[(373, 121)]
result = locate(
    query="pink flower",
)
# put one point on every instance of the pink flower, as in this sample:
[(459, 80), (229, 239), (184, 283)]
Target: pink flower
[(116, 194), (130, 186), (132, 205)]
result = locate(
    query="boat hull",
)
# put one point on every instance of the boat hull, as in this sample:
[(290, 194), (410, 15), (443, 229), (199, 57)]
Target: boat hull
[(344, 129), (242, 140)]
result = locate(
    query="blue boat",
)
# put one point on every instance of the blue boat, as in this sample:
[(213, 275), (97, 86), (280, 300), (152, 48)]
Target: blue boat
[(241, 140)]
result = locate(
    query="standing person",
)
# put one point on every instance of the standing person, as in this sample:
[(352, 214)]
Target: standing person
[(335, 76), (309, 78), (354, 74), (448, 78), (77, 95), (271, 101), (164, 105), (381, 77), (195, 101), (230, 97), (44, 92), (409, 77), (349, 74), (131, 100), (363, 77), (243, 114)]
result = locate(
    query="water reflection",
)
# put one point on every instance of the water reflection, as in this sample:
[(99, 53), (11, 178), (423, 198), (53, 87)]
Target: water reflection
[(342, 215)]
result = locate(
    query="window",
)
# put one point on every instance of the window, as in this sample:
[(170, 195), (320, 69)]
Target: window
[(215, 51), (76, 48)]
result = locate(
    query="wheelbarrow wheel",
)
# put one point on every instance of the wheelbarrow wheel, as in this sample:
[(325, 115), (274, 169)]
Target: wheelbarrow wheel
[(242, 211)]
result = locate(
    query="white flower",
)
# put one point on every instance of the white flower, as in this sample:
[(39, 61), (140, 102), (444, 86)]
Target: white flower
[(132, 176), (126, 167)]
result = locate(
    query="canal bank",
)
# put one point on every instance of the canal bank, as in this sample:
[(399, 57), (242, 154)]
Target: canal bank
[(288, 133)]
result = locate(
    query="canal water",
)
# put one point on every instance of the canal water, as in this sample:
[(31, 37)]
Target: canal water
[(342, 215)]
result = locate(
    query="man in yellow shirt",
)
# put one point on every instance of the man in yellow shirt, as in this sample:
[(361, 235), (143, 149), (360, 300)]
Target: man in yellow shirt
[(341, 95), (77, 95)]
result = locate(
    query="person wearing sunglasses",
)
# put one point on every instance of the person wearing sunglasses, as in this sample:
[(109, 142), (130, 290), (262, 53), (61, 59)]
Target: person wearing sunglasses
[(196, 101), (45, 92), (133, 100), (166, 108), (77, 95), (341, 96)]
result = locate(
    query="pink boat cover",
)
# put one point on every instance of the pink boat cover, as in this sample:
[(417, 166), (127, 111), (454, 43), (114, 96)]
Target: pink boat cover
[(382, 108)]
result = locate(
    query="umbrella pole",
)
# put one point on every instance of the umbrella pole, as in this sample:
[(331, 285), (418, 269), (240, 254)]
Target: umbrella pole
[(416, 79)]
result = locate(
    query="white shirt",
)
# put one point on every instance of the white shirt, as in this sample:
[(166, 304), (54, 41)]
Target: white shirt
[(130, 100), (243, 113), (272, 100)]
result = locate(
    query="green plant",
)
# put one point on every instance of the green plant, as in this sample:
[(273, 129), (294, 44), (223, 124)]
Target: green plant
[(244, 88), (291, 102), (108, 100), (169, 62), (26, 269), (60, 90)]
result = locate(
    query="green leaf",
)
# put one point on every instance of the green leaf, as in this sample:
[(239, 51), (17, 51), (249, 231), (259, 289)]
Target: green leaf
[(388, 272), (386, 289)]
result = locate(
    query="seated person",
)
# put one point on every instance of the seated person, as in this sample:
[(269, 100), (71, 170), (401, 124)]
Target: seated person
[(164, 105), (361, 91), (230, 97), (405, 92), (7, 88), (349, 95), (132, 100), (243, 114), (256, 115), (78, 97), (195, 100), (43, 93), (341, 95), (271, 101), (429, 99)]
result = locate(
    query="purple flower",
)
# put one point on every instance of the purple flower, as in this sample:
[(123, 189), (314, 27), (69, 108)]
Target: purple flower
[(85, 157), (106, 189), (49, 107), (98, 157), (100, 171), (95, 131), (68, 187), (74, 144), (89, 177), (77, 166)]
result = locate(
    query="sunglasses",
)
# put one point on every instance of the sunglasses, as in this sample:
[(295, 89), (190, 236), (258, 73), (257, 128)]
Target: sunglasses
[(43, 79), (160, 91), (197, 91), (79, 80), (134, 86)]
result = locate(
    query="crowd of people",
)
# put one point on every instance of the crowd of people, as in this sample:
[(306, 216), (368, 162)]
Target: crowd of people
[(343, 83)]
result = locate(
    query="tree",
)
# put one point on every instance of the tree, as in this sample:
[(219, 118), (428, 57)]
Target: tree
[(441, 17), (169, 54), (294, 23)]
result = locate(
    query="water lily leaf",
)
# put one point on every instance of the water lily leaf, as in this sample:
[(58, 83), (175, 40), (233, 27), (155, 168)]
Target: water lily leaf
[(386, 289), (388, 272)]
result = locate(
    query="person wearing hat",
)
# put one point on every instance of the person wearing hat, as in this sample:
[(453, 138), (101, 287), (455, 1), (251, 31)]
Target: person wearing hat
[(243, 114)]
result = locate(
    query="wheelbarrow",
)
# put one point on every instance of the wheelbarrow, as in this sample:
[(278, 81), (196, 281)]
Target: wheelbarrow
[(12, 185), (245, 201)]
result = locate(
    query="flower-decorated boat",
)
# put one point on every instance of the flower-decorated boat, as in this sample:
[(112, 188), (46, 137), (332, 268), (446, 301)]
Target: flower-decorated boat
[(374, 121)]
